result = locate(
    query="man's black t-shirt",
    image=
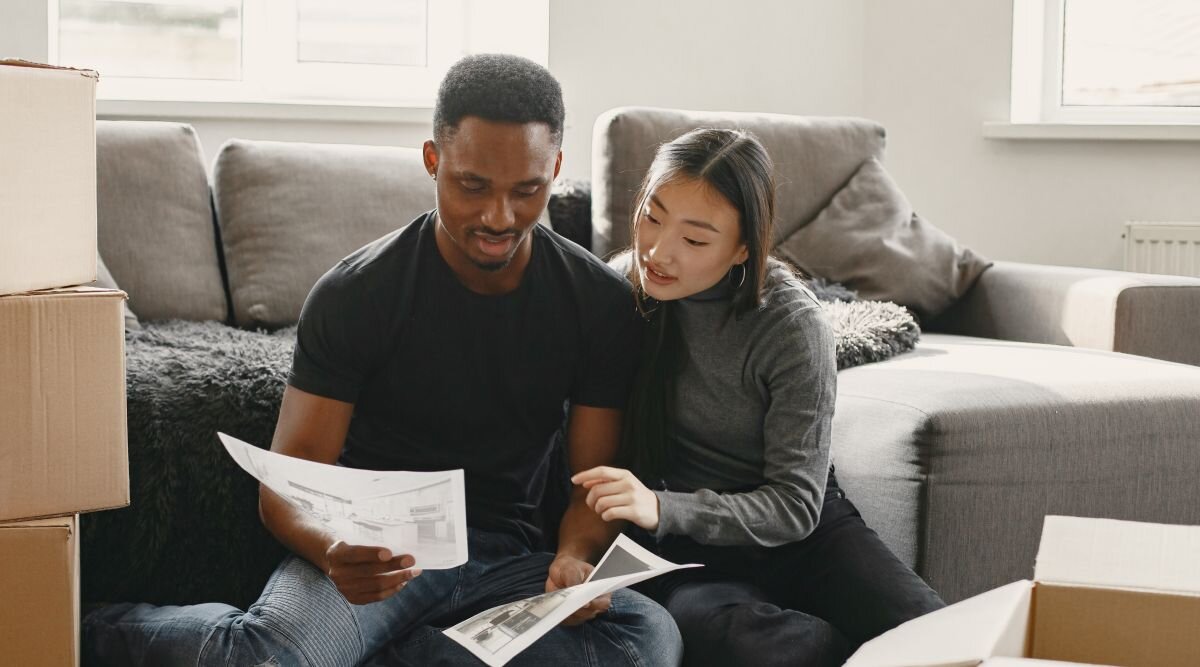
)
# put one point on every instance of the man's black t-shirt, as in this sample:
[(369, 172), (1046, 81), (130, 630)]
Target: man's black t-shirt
[(442, 377)]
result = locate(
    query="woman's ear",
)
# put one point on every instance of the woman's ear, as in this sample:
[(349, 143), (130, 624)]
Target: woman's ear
[(742, 255)]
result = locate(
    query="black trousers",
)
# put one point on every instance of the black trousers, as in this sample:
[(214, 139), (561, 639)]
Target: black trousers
[(811, 602)]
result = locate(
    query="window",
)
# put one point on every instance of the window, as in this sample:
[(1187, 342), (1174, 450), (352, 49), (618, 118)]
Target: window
[(1106, 61), (356, 52)]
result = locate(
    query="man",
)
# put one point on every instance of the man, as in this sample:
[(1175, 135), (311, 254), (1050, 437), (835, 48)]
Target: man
[(451, 343)]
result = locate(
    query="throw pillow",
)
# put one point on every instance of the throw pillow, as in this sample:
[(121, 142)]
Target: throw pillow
[(104, 279), (870, 239)]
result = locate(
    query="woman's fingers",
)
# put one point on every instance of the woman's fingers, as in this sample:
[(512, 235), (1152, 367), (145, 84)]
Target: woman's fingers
[(604, 490), (609, 502), (599, 474), (619, 513)]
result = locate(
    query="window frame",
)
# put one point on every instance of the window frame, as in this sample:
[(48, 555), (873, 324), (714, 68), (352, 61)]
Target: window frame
[(272, 86), (1037, 64)]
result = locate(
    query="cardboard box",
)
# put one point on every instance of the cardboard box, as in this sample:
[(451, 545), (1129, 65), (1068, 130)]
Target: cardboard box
[(63, 442), (39, 608), (47, 176), (1104, 592)]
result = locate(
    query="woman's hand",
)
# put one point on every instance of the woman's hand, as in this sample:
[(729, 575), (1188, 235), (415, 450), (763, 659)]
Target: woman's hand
[(616, 493)]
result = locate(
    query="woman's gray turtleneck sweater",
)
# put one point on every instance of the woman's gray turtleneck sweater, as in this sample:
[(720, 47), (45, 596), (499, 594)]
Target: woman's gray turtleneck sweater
[(753, 407)]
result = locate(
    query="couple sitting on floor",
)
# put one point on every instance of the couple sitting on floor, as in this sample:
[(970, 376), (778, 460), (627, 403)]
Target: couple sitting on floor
[(699, 376)]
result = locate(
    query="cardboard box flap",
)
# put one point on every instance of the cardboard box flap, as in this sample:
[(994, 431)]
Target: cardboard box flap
[(17, 62), (67, 522), (1106, 553), (1034, 662), (76, 290), (994, 623)]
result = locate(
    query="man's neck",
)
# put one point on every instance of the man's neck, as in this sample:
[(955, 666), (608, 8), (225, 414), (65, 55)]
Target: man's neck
[(476, 279)]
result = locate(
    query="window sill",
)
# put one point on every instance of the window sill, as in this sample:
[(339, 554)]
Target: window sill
[(1091, 131), (357, 113)]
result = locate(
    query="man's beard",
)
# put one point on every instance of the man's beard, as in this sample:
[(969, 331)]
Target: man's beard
[(490, 267)]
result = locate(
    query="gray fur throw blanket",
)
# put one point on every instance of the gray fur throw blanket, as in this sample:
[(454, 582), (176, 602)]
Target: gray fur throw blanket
[(192, 532)]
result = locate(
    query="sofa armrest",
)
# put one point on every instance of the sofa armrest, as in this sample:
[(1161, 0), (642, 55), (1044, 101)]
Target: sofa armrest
[(1136, 313)]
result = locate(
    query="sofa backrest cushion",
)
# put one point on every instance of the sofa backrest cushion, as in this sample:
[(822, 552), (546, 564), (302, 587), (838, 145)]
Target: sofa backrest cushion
[(155, 221), (814, 157), (289, 211)]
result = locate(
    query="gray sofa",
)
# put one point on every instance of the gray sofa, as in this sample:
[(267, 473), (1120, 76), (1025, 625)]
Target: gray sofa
[(1025, 398)]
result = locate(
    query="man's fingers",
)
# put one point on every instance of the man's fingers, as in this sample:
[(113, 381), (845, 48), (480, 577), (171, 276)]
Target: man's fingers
[(341, 553), (377, 596), (602, 603), (368, 569), (378, 583), (589, 611), (399, 577)]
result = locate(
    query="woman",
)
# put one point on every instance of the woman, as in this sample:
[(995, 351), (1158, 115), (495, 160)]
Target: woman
[(727, 432)]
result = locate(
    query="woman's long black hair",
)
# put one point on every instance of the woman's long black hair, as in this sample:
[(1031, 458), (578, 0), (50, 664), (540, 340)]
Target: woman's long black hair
[(734, 164)]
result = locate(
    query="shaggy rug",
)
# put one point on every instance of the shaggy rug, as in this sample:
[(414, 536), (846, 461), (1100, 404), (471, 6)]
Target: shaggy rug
[(192, 532)]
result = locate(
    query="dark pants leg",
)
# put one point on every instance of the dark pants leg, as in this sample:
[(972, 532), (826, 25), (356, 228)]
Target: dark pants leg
[(809, 602), (846, 575), (735, 623)]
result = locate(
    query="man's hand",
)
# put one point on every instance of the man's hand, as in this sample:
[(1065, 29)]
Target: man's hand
[(568, 571), (617, 494), (368, 574)]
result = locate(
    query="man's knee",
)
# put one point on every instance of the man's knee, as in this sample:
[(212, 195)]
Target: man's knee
[(641, 631)]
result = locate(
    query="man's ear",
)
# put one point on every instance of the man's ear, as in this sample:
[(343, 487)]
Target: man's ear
[(557, 164), (429, 153)]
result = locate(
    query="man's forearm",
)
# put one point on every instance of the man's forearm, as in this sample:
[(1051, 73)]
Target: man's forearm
[(582, 533), (294, 529)]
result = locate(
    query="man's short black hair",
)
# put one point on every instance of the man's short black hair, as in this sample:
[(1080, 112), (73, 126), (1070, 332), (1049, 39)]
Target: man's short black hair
[(498, 87)]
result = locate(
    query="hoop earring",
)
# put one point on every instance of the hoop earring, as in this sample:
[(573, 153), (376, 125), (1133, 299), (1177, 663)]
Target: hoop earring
[(742, 281)]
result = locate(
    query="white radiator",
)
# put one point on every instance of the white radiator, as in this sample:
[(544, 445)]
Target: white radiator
[(1163, 247)]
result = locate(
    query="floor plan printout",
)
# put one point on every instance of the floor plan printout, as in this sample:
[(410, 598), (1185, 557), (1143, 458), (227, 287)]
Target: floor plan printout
[(422, 514), (500, 633)]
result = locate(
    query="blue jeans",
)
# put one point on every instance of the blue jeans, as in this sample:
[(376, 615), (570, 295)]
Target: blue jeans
[(302, 620)]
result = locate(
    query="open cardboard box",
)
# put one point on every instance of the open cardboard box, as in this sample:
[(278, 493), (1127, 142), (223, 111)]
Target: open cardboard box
[(1104, 592), (63, 445), (47, 176)]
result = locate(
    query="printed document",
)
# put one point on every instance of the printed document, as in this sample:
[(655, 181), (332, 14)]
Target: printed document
[(500, 633), (423, 514)]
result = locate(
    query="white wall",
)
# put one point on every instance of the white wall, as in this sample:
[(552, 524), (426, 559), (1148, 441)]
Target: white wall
[(934, 70), (785, 56)]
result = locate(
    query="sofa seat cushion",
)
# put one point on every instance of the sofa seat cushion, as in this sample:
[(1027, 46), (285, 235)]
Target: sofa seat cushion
[(289, 211), (955, 451), (155, 220)]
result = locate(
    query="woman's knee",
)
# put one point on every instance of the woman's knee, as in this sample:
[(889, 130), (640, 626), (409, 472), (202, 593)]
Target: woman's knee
[(758, 633)]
